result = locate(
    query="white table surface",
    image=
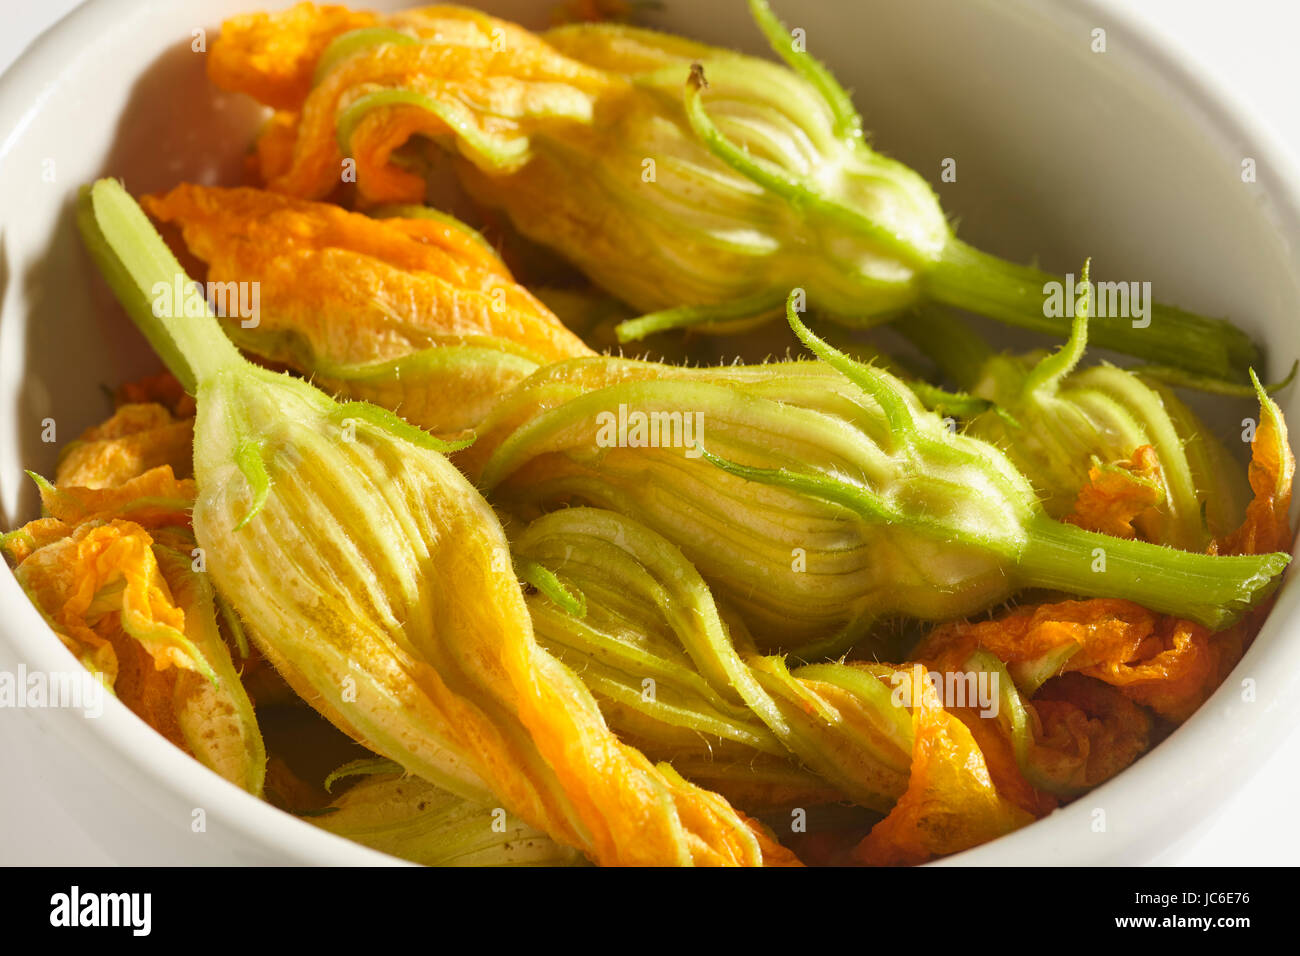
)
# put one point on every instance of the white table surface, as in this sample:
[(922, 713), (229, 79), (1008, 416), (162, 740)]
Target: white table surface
[(1246, 45)]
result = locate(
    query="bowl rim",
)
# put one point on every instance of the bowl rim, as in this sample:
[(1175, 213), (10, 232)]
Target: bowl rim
[(23, 90), (1226, 118), (1215, 108)]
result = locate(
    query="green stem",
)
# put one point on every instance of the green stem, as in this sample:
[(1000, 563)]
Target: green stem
[(944, 402), (973, 280), (1180, 379), (691, 316), (135, 261), (1214, 591), (947, 341)]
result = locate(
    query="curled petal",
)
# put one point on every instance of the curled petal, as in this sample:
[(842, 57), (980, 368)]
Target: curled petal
[(1272, 468), (19, 544), (156, 498), (103, 569), (138, 438), (1086, 731), (1118, 495), (271, 56), (951, 803), (417, 314)]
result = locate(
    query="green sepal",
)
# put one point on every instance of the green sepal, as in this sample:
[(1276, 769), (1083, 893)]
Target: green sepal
[(248, 458), (383, 418), (364, 767), (572, 600)]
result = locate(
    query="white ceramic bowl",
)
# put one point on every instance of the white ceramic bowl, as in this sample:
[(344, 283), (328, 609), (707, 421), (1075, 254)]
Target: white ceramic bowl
[(1062, 153)]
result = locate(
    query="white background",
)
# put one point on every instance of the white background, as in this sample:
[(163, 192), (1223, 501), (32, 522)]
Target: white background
[(1245, 45)]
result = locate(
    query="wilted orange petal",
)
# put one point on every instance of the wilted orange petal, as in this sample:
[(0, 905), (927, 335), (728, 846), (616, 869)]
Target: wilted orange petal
[(19, 544), (951, 803), (354, 288), (1183, 670), (1272, 468), (1104, 629), (490, 77), (109, 569), (1087, 732), (138, 438), (271, 56), (1116, 496), (154, 499)]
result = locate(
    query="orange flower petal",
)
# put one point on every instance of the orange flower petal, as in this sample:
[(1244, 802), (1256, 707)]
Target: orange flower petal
[(154, 499), (137, 439), (19, 544), (109, 569), (271, 56), (1086, 731), (951, 803), (1272, 468), (356, 289), (1118, 495)]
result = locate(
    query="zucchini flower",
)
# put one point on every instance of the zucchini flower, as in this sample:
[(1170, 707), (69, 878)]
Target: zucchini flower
[(976, 778), (1163, 662), (409, 818), (1103, 431), (987, 761), (817, 498), (680, 675), (622, 606), (379, 584), (952, 802), (696, 184), (413, 310), (112, 571)]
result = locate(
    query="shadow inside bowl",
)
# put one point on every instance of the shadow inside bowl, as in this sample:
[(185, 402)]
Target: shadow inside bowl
[(163, 137)]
